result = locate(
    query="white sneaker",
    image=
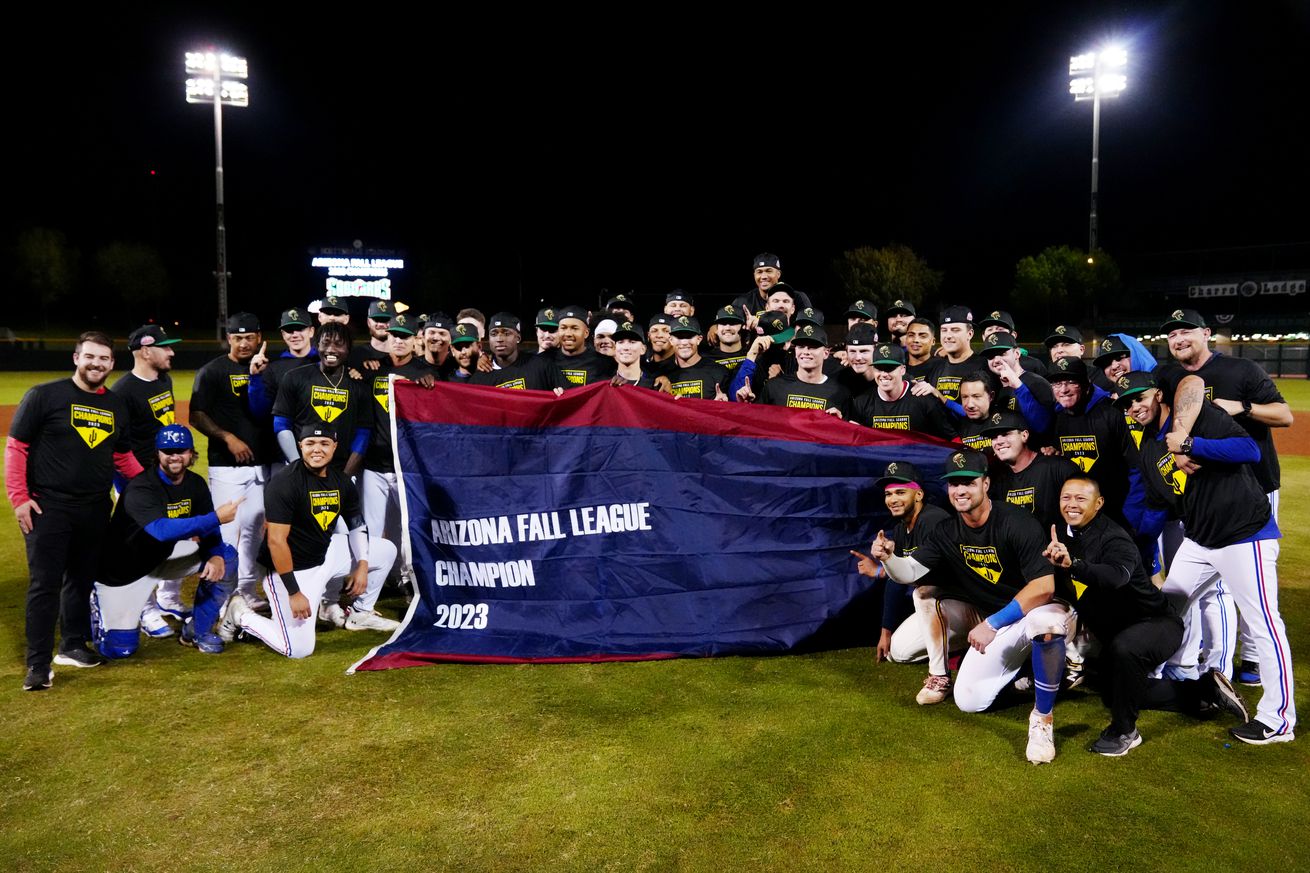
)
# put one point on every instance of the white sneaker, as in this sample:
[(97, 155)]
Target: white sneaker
[(236, 607), (332, 613), (171, 605), (935, 689), (154, 624), (359, 620), (1041, 738)]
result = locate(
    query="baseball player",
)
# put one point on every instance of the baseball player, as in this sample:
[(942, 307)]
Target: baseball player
[(333, 310), (547, 326), (989, 555), (629, 349), (579, 364), (164, 528), (865, 312), (768, 272), (809, 388), (1000, 321), (436, 344), (465, 349), (267, 374), (1090, 431), (695, 376), (679, 304), (898, 317), (239, 452), (513, 368), (325, 394), (956, 334), (65, 442), (659, 359), (894, 405), (1025, 478), (920, 361), (729, 348), (305, 502), (1230, 534)]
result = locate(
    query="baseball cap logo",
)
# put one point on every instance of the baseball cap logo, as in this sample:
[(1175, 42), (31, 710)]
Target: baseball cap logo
[(996, 418), (1106, 345), (958, 460), (627, 325), (993, 339), (892, 468), (462, 330), (809, 330), (884, 351), (1062, 363), (295, 313), (382, 306), (683, 321), (400, 319), (807, 312), (1177, 315), (996, 314), (898, 303), (550, 313), (147, 340), (1124, 383), (1059, 329), (621, 299), (859, 304)]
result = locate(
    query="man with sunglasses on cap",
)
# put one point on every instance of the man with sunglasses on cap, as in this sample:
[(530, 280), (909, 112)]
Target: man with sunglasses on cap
[(510, 367), (333, 310), (695, 376), (989, 555), (893, 405), (306, 503), (164, 528)]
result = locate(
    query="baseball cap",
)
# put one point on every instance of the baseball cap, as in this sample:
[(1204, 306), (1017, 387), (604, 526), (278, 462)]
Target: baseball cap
[(333, 304), (293, 319), (619, 301), (628, 330), (574, 312), (887, 353), (998, 317), (679, 294), (148, 335), (957, 315), (1108, 349), (1063, 334), (174, 437), (1185, 319), (438, 319), (900, 307), (766, 259), (546, 318), (776, 325), (898, 473), (998, 343), (1067, 370), (242, 322), (463, 334), (1129, 385), (606, 326), (380, 310), (315, 430), (784, 288), (684, 326), (965, 464), (862, 309), (728, 315), (401, 324), (507, 320), (661, 318), (810, 335), (809, 315), (861, 335), (1004, 422)]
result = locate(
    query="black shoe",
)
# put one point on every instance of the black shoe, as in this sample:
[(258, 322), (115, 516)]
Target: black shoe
[(1255, 733), (79, 657), (1224, 696), (38, 679), (1115, 745), (1249, 674)]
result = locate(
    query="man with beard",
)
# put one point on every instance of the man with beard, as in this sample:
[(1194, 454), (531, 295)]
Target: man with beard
[(695, 376), (466, 349), (333, 310), (380, 313), (436, 344), (325, 395), (66, 440), (239, 450), (1025, 478), (729, 350), (893, 405), (679, 304), (578, 364), (513, 369), (1113, 358), (547, 326), (899, 316)]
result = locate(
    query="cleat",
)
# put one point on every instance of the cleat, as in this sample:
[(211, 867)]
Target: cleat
[(1023, 684), (1255, 733), (1073, 674), (1041, 738), (1115, 745), (1249, 674), (38, 679), (153, 623), (935, 689), (231, 624), (357, 620), (332, 613), (79, 657), (1225, 696), (209, 644)]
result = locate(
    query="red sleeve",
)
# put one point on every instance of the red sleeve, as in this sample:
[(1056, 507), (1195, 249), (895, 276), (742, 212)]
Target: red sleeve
[(127, 464), (16, 471)]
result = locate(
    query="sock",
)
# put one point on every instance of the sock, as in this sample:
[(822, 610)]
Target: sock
[(1048, 670)]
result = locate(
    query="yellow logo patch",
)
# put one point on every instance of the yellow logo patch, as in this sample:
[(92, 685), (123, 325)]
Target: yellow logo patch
[(325, 506), (161, 407), (804, 401), (1024, 498), (329, 403), (694, 388), (890, 422), (984, 561), (1082, 450), (240, 383), (93, 425), (181, 509), (1175, 477), (1078, 589), (381, 392)]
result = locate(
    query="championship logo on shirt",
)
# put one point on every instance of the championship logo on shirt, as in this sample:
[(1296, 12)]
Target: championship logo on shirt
[(1078, 588), (890, 422), (804, 401), (328, 402), (983, 560), (575, 377), (1209, 392), (1082, 450), (694, 388), (93, 425), (240, 382), (977, 442), (1024, 498), (381, 392), (731, 363), (161, 407), (325, 506), (180, 509), (1176, 478), (519, 384), (949, 386), (1135, 430)]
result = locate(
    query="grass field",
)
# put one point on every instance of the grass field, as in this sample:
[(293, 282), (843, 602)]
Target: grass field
[(175, 760)]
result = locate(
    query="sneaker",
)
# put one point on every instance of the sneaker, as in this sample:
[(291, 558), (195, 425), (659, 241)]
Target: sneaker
[(1115, 745), (79, 657), (209, 644), (153, 623), (1249, 674), (1023, 684), (1225, 696), (236, 607), (935, 689), (359, 620), (38, 679), (172, 606), (1255, 733), (1041, 738), (332, 613), (1073, 674)]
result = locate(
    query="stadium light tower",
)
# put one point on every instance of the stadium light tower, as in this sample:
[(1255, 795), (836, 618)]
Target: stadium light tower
[(1093, 76), (211, 76)]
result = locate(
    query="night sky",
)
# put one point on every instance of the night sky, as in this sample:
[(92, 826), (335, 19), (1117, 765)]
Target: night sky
[(523, 156)]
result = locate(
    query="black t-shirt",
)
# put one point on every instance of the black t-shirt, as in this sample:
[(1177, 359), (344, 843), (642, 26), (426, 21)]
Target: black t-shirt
[(989, 565), (378, 457), (129, 551), (222, 392), (729, 360), (73, 435), (585, 368), (307, 396), (946, 378), (659, 368), (700, 380), (1229, 378), (927, 371), (1097, 441), (278, 368), (528, 372), (365, 352), (970, 433), (754, 304), (908, 412), (790, 391), (311, 505), (150, 406), (1036, 488), (1111, 591)]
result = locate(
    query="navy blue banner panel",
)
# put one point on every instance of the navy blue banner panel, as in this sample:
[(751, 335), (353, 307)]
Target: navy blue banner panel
[(616, 523)]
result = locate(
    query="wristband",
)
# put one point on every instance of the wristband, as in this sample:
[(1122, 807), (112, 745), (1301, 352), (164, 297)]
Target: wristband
[(289, 580), (1011, 613)]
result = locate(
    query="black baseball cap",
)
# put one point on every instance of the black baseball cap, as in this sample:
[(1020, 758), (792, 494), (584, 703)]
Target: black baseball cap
[(898, 307), (400, 325), (463, 334), (293, 319), (898, 473), (809, 335), (685, 326), (728, 315), (886, 353), (333, 304), (786, 289), (766, 259), (316, 430), (1129, 385), (439, 320), (575, 312), (1000, 342), (1004, 422), (809, 315), (1063, 334), (1184, 319), (620, 301), (1108, 349), (242, 322), (861, 335), (1067, 370), (776, 325), (965, 464), (862, 309), (628, 330), (957, 315), (998, 317), (660, 318), (546, 318), (506, 319), (380, 310), (150, 335), (679, 294)]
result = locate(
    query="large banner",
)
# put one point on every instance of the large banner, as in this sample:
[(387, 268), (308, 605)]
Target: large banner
[(621, 524)]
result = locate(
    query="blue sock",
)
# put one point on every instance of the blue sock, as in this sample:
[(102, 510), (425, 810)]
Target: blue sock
[(1048, 670)]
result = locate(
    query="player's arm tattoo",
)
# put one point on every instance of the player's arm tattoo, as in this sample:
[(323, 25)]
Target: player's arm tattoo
[(206, 425), (1188, 398)]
